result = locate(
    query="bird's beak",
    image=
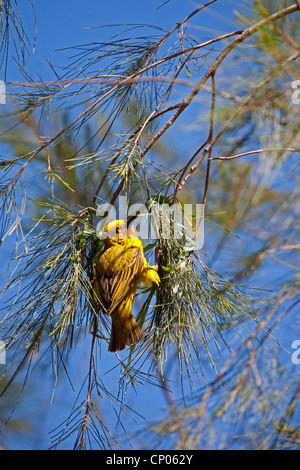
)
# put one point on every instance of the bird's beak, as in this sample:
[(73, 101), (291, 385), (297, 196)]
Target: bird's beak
[(131, 219)]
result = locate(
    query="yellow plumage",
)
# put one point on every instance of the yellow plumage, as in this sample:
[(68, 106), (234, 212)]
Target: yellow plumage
[(120, 268)]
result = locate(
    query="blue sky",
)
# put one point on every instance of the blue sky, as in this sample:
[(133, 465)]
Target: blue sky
[(62, 24)]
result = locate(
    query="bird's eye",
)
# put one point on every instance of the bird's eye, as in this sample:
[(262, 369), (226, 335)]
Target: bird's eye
[(118, 230)]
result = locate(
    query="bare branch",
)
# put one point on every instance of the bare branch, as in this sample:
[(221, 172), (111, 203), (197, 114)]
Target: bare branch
[(252, 152)]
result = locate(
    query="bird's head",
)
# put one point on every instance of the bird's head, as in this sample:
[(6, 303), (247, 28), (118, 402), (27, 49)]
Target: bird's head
[(119, 230)]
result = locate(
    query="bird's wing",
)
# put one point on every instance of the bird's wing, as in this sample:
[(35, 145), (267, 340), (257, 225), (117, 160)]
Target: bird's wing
[(116, 272)]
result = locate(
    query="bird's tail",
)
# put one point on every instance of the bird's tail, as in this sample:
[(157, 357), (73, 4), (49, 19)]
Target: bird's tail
[(124, 333), (124, 330)]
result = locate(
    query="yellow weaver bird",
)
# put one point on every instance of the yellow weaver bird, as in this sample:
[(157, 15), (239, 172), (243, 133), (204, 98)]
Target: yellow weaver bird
[(120, 268)]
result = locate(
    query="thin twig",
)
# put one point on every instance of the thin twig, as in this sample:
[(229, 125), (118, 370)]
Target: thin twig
[(211, 131), (89, 390), (236, 113), (252, 152)]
